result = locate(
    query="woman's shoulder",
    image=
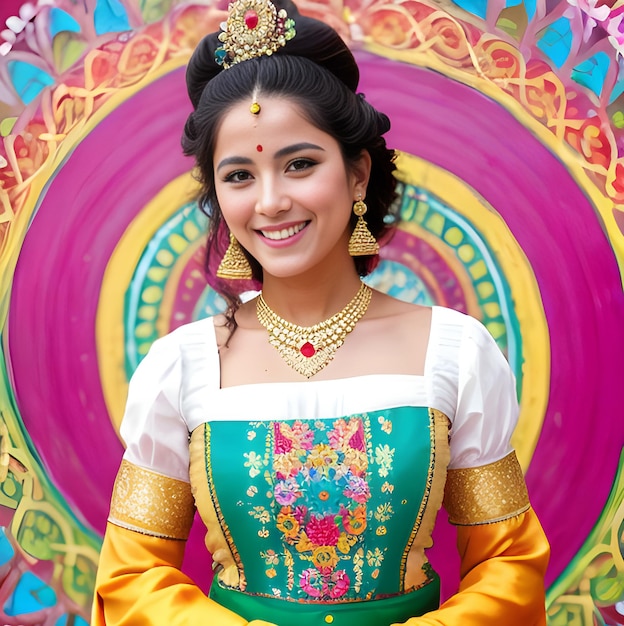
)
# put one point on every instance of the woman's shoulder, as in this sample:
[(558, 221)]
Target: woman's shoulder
[(197, 336), (446, 319), (439, 317), (201, 330), (384, 306)]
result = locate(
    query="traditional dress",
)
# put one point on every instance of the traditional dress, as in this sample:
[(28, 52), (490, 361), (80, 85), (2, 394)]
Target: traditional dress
[(320, 497)]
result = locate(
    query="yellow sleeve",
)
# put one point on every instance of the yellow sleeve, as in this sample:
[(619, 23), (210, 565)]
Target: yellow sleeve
[(504, 551), (139, 580), (502, 568)]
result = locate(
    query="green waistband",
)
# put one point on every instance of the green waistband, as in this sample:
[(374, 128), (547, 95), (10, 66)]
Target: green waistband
[(365, 613)]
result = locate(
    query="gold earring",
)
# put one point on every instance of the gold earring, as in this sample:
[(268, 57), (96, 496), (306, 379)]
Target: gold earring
[(234, 264), (362, 242)]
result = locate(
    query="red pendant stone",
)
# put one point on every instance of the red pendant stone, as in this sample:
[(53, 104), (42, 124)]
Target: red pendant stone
[(251, 19), (307, 349)]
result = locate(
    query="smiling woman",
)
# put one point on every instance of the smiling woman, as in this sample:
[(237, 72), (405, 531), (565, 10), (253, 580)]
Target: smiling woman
[(319, 426), (289, 206)]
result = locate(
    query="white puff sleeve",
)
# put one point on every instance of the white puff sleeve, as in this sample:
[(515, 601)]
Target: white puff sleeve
[(153, 429), (487, 408)]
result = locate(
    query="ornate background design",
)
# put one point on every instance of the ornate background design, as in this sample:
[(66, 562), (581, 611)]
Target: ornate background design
[(509, 116)]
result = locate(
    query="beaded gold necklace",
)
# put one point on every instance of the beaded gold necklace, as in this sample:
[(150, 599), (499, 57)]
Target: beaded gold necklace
[(308, 349)]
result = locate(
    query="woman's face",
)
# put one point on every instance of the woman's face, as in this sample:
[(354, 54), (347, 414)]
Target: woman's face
[(284, 189)]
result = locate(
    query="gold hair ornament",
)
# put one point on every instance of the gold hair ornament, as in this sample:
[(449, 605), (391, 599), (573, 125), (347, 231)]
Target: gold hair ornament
[(308, 349), (234, 264), (362, 242), (253, 28)]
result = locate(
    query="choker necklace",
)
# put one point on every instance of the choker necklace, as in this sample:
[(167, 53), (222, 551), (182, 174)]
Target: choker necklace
[(308, 349)]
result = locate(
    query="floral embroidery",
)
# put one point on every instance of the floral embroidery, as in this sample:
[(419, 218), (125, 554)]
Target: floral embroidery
[(384, 512), (323, 538), (254, 462), (386, 424), (375, 557), (327, 469), (358, 562), (288, 523), (261, 514), (384, 456), (270, 557), (287, 491)]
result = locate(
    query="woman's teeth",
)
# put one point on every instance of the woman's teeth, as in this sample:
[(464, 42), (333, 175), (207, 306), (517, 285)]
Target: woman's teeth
[(276, 235)]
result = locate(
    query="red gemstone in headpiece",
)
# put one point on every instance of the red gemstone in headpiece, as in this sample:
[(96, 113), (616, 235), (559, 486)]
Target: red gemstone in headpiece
[(307, 349), (251, 19)]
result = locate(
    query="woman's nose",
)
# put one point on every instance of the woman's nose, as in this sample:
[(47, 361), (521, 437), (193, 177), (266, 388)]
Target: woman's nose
[(272, 199)]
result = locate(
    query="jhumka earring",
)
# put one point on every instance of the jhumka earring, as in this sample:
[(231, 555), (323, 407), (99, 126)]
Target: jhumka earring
[(234, 264), (362, 242)]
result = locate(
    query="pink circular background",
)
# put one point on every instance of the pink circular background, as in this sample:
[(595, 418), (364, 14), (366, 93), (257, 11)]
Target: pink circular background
[(127, 159)]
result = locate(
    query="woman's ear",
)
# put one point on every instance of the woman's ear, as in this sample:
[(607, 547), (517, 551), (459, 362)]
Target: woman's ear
[(360, 173)]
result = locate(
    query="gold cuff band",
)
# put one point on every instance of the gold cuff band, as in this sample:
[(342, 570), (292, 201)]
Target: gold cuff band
[(482, 495), (151, 503)]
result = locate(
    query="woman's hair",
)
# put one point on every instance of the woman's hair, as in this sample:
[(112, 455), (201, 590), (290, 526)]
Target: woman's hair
[(317, 72)]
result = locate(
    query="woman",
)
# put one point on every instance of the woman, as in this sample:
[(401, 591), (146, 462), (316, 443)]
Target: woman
[(327, 421)]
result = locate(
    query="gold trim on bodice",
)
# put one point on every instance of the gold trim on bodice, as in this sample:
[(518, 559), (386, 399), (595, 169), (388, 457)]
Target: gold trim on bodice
[(226, 562), (486, 494), (150, 503), (412, 567)]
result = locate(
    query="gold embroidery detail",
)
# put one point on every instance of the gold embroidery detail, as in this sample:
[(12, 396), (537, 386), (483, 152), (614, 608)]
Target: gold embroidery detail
[(482, 495), (150, 503)]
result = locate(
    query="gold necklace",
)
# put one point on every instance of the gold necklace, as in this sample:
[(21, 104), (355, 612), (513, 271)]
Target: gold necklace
[(308, 349)]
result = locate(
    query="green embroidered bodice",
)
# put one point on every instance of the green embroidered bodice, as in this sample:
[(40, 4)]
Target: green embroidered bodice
[(325, 510)]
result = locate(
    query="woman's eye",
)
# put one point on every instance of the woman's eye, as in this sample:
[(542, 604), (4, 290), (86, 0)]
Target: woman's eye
[(238, 176), (300, 164)]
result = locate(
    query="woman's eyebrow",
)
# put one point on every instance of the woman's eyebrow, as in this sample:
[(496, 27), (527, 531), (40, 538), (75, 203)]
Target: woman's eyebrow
[(234, 160), (296, 148)]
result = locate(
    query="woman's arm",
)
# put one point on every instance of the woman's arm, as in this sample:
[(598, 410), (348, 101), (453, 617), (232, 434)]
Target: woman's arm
[(139, 580), (504, 551), (503, 564)]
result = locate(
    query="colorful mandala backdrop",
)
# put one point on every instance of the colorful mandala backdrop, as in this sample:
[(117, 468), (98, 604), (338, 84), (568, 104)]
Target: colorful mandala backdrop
[(509, 116)]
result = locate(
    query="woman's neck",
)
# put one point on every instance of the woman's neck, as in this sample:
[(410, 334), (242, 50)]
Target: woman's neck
[(308, 302)]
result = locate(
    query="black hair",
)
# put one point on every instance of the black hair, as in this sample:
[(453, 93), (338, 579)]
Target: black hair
[(317, 72)]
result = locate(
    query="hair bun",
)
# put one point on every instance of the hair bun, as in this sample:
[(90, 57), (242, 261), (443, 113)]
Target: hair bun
[(202, 67), (314, 40)]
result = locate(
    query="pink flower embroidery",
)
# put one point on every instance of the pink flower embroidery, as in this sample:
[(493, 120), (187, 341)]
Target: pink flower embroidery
[(311, 582), (323, 531), (357, 441), (303, 437), (282, 443), (339, 584), (300, 513)]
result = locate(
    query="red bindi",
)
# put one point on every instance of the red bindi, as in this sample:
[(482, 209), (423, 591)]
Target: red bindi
[(259, 148)]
